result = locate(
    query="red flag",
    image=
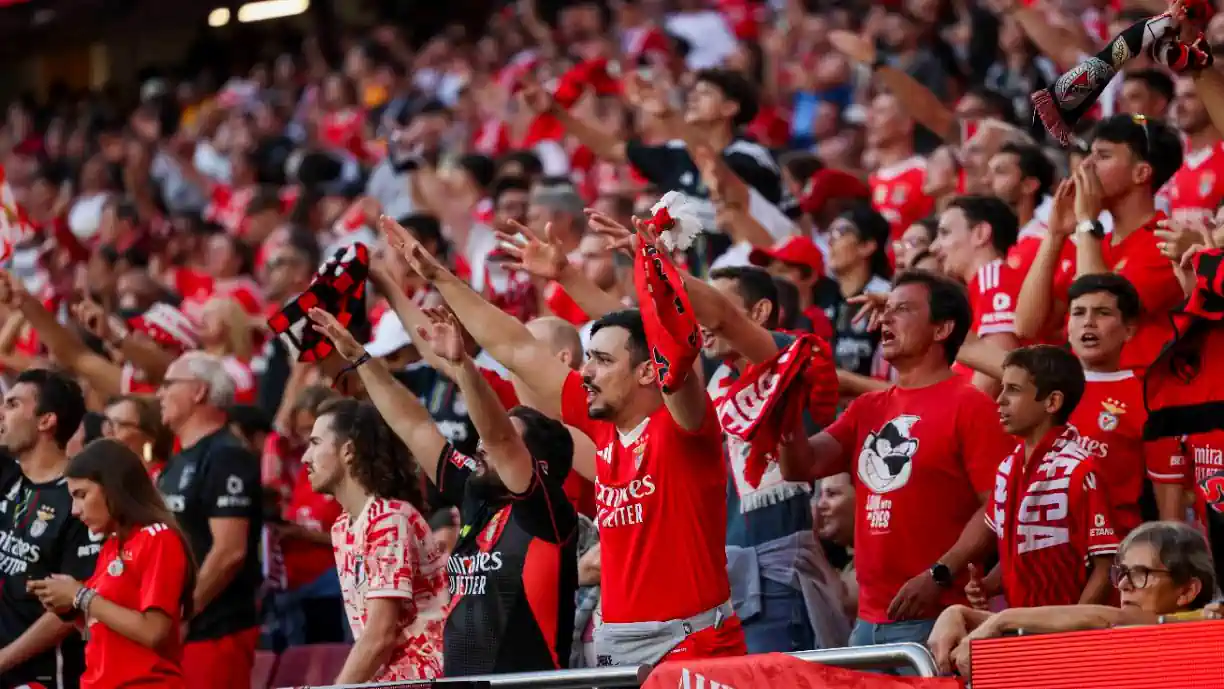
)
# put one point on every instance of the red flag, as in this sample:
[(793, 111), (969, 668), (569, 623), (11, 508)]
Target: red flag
[(778, 670)]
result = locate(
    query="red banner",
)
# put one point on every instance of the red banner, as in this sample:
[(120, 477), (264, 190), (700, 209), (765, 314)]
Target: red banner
[(775, 671)]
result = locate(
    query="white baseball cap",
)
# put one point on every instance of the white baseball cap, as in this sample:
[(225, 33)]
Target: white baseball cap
[(390, 336)]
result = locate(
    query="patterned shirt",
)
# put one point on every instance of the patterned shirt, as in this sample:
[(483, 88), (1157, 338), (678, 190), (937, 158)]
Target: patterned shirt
[(388, 551)]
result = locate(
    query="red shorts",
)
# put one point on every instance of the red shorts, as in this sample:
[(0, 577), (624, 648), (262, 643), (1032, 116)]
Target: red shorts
[(224, 662), (726, 641)]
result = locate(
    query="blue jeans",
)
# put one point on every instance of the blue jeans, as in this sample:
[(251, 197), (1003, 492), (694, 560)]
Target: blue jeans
[(871, 634), (782, 624), (312, 613)]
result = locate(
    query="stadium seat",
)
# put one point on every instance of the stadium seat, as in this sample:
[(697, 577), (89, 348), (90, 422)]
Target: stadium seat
[(313, 664), (261, 673)]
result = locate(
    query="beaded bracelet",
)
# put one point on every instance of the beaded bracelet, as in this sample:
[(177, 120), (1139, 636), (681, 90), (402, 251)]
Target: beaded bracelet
[(83, 598)]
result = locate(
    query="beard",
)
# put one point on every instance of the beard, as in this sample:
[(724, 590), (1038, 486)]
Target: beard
[(487, 487)]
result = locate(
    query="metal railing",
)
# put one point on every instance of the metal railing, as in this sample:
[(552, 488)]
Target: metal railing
[(883, 657)]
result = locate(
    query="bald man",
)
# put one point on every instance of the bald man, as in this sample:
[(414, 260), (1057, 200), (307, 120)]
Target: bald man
[(562, 338)]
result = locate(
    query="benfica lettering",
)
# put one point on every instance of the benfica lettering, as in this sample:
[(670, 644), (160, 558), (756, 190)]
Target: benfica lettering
[(738, 411)]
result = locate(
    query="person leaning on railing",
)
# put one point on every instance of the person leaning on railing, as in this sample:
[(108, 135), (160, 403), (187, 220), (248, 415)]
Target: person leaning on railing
[(1162, 569)]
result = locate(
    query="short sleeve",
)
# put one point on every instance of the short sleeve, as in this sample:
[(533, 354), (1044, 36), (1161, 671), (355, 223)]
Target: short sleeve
[(79, 550), (391, 556), (653, 162), (163, 570), (1165, 461), (983, 441), (454, 469), (544, 510), (996, 306), (574, 405), (845, 430), (1097, 534), (231, 487)]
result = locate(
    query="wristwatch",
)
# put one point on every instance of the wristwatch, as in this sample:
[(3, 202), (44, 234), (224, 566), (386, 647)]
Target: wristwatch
[(1090, 227), (942, 575)]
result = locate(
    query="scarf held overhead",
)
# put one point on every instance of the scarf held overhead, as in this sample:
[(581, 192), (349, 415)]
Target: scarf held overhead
[(1062, 104), (767, 402), (339, 289), (667, 317)]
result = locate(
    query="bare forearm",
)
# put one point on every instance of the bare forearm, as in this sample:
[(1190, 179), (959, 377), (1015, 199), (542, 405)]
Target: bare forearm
[(1169, 502), (147, 356), (600, 142), (982, 356), (145, 628), (217, 570), (404, 413), (1211, 92), (593, 301), (1098, 588), (369, 654), (920, 101), (974, 543), (1088, 257), (1037, 291), (45, 633), (716, 313), (1067, 618), (503, 445)]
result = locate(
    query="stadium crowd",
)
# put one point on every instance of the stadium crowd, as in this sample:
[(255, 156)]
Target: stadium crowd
[(810, 316)]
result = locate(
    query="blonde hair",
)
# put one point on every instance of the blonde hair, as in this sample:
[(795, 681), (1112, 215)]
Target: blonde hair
[(238, 341)]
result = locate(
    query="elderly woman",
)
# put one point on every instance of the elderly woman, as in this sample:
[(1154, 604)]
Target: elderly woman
[(1162, 568)]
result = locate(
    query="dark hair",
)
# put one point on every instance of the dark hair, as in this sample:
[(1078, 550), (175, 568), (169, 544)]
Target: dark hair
[(947, 301), (60, 395), (251, 419), (999, 105), (994, 211), (312, 398), (1053, 369), (548, 441), (131, 498), (753, 285), (871, 226), (480, 167), (529, 161), (381, 462), (307, 244), (1129, 304), (788, 303), (1155, 79), (631, 321), (505, 184), (1033, 164), (734, 87), (930, 224), (265, 199), (801, 165), (1149, 140), (91, 426), (427, 230)]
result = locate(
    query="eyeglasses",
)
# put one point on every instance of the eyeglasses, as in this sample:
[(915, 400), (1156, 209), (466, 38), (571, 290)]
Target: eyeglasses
[(110, 425), (1137, 576)]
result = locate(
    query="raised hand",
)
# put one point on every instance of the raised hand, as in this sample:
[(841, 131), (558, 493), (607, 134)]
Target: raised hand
[(1088, 193), (1180, 238), (346, 345), (1062, 212), (445, 335), (871, 308), (417, 256), (853, 46), (619, 237), (12, 292), (531, 252)]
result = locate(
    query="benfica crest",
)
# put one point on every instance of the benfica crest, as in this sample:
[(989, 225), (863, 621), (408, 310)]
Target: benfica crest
[(1206, 183), (1107, 421)]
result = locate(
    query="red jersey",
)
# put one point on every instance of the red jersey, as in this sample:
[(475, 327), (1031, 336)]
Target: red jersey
[(227, 206), (896, 192), (1051, 517), (1110, 419), (919, 458), (563, 306), (388, 551), (1198, 185), (245, 387), (306, 561), (993, 293), (148, 574), (1137, 259), (662, 534)]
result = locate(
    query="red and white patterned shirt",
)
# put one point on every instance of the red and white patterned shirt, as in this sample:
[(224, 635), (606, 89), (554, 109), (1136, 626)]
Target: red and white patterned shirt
[(388, 551)]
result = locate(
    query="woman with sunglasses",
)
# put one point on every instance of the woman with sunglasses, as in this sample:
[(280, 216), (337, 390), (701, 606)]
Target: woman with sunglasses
[(1162, 568), (132, 608)]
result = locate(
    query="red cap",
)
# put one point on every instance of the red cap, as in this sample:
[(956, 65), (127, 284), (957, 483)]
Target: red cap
[(796, 251), (828, 184)]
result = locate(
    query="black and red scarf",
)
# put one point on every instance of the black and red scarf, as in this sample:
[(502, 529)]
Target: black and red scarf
[(1063, 103), (1182, 387), (339, 288)]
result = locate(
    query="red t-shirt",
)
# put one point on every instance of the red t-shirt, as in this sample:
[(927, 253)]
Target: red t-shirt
[(149, 575), (662, 515), (1051, 517), (1110, 419), (563, 306), (306, 561), (896, 192), (993, 293), (1137, 259), (919, 458), (1199, 184)]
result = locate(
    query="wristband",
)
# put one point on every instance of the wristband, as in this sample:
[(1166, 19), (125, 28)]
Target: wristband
[(365, 356), (84, 597)]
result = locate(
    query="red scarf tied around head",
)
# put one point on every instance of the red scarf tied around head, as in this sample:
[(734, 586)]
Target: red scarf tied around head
[(767, 402), (667, 315)]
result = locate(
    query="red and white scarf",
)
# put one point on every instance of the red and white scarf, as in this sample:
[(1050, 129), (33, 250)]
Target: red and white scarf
[(767, 402)]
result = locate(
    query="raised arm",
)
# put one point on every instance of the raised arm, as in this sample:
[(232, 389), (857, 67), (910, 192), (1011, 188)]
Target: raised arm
[(1037, 292), (104, 375), (400, 408), (602, 143), (541, 255), (505, 338)]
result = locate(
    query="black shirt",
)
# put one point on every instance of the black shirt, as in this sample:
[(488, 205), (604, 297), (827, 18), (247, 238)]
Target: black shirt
[(512, 576), (218, 478), (39, 537), (854, 347), (670, 168)]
